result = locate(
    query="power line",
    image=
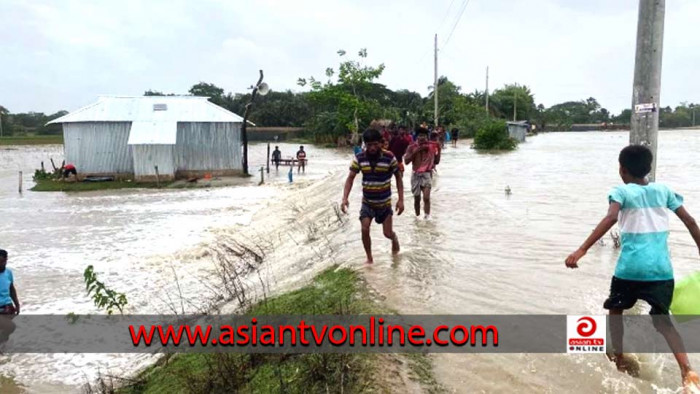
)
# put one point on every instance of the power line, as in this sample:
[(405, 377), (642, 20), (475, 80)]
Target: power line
[(446, 14), (459, 18)]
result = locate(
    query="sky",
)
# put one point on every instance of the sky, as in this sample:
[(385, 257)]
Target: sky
[(61, 55)]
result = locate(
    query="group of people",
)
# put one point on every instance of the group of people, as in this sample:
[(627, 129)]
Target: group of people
[(383, 157), (643, 270)]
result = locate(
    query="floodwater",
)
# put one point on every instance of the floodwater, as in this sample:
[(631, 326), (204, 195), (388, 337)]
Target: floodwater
[(482, 253)]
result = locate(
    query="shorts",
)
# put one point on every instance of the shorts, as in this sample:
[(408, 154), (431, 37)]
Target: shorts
[(67, 172), (420, 180), (7, 309), (625, 293), (378, 214)]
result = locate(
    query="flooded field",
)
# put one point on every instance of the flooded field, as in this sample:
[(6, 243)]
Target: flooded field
[(482, 253)]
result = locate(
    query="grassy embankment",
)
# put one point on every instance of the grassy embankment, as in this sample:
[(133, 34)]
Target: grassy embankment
[(32, 140), (48, 185), (334, 291)]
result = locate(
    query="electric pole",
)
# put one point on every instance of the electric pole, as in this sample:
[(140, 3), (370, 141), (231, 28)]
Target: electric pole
[(515, 105), (487, 90), (647, 77), (435, 84)]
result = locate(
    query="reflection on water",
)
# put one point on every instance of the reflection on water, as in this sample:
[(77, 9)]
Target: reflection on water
[(483, 252)]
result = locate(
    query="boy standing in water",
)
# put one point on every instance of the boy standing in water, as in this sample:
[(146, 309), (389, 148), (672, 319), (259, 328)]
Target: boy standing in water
[(643, 270), (377, 167), (422, 154)]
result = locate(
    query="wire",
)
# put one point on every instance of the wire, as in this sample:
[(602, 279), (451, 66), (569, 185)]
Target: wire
[(446, 14), (459, 18)]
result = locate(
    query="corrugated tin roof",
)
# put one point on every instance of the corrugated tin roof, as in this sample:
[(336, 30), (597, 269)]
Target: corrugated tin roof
[(149, 109), (153, 133)]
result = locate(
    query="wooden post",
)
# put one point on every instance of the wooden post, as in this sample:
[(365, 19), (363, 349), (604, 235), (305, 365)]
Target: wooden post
[(20, 182), (53, 165), (262, 175), (268, 157), (42, 167), (157, 178)]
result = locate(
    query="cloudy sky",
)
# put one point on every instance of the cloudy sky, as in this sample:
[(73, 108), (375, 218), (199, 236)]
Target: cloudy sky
[(62, 54)]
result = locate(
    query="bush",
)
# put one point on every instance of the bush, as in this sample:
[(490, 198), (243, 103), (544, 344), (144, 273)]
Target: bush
[(493, 135)]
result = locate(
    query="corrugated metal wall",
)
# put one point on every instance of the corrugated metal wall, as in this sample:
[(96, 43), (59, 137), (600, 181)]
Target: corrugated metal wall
[(98, 147), (208, 146), (146, 157), (517, 132)]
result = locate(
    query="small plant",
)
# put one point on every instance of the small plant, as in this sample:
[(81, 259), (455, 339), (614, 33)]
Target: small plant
[(40, 175), (103, 297)]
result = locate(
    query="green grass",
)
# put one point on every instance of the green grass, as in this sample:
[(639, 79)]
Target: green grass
[(334, 291), (48, 185), (32, 140)]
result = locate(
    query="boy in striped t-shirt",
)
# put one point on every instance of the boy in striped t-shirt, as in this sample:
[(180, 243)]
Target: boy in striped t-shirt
[(377, 167), (643, 270)]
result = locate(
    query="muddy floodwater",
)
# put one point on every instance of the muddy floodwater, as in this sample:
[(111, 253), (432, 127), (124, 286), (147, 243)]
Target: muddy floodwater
[(483, 252)]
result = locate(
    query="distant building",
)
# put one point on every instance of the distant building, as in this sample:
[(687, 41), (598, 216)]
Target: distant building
[(518, 130), (128, 137)]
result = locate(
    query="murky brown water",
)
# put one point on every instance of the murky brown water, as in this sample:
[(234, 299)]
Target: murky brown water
[(483, 252)]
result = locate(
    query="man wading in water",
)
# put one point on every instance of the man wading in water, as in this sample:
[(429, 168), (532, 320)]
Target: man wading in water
[(377, 167), (422, 154)]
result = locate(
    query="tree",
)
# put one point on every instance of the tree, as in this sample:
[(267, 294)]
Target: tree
[(343, 105), (203, 89), (503, 100), (623, 118), (150, 92), (450, 102), (410, 107), (284, 109)]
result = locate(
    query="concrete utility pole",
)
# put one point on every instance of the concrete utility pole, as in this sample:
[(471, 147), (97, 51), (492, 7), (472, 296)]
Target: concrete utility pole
[(487, 90), (435, 84), (647, 77), (515, 105)]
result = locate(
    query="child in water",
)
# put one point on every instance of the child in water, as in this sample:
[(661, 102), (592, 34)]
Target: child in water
[(643, 270)]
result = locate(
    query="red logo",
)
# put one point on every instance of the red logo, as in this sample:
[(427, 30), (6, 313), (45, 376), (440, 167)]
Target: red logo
[(586, 326), (585, 334)]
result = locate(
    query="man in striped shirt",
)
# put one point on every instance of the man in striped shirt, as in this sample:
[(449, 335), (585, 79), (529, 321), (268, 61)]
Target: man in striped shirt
[(377, 167)]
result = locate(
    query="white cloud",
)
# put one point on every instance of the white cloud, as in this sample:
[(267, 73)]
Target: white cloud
[(63, 54)]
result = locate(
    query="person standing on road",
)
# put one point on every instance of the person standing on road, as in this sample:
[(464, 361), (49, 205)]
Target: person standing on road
[(301, 157)]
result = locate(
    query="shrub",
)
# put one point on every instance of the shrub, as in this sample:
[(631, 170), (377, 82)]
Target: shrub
[(493, 135)]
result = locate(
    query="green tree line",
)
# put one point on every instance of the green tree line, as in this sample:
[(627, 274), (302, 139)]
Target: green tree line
[(28, 123), (347, 98)]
